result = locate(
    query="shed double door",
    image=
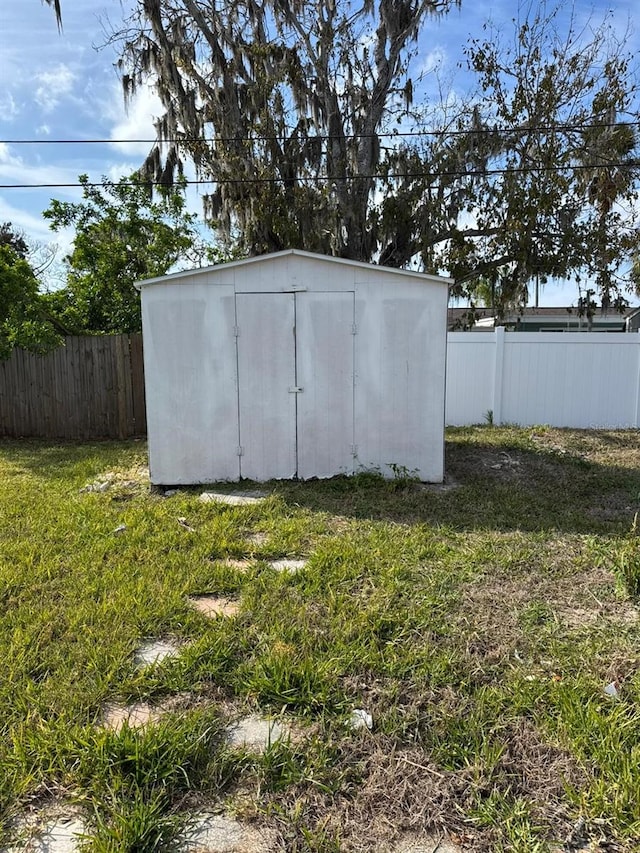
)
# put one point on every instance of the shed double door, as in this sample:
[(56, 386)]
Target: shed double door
[(295, 384)]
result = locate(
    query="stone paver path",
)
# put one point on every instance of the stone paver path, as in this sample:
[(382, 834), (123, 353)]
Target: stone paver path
[(155, 651), (255, 733), (53, 830), (214, 833), (234, 498), (212, 606), (288, 565), (138, 715)]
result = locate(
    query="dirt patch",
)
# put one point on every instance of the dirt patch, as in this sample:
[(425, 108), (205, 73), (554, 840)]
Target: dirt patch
[(414, 843), (499, 605), (448, 485), (466, 463), (614, 506), (387, 794), (120, 484), (602, 447)]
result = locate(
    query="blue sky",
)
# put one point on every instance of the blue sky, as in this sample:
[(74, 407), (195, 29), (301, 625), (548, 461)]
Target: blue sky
[(60, 86)]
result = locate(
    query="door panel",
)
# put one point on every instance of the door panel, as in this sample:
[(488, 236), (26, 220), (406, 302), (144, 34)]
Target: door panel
[(324, 355), (266, 372)]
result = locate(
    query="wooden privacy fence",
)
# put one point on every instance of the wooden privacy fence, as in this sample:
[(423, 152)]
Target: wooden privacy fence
[(92, 387)]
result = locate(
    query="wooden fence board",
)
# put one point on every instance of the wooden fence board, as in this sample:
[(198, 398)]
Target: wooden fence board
[(137, 385), (92, 387)]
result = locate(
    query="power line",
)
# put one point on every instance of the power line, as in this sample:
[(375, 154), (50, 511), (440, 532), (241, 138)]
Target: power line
[(329, 137), (321, 179)]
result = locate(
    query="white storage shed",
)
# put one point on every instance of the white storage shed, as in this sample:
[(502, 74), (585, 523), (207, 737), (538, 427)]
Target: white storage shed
[(294, 365)]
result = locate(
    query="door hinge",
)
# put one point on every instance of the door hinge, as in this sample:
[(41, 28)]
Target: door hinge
[(354, 449), (239, 451), (295, 390), (236, 331), (354, 329)]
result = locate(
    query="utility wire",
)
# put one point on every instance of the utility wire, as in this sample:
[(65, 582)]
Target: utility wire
[(329, 137), (313, 179)]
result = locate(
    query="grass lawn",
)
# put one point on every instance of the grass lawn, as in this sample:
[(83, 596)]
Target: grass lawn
[(483, 625)]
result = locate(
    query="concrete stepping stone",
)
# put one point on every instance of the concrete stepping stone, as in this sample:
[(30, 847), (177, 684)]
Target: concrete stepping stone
[(241, 564), (287, 565), (233, 498), (140, 714), (53, 830), (257, 538), (216, 833), (155, 651), (137, 715), (212, 606), (255, 733)]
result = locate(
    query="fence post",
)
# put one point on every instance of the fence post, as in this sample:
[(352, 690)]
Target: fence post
[(636, 420), (123, 378), (498, 371)]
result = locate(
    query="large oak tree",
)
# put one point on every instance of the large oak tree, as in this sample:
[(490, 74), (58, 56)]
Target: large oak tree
[(281, 104), (288, 109)]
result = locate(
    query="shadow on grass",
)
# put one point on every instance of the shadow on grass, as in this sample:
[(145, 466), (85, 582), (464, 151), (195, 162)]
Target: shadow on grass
[(57, 460), (507, 479), (503, 485)]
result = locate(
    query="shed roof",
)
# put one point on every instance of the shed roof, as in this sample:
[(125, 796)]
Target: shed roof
[(299, 253)]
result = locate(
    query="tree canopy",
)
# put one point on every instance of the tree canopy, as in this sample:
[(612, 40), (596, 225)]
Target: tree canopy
[(281, 105), (539, 178), (309, 121), (123, 234), (24, 321)]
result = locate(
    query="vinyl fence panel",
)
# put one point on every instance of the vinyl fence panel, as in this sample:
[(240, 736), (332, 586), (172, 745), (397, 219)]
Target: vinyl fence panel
[(580, 379)]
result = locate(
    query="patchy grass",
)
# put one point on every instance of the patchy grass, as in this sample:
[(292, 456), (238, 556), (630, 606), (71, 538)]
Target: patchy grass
[(479, 623)]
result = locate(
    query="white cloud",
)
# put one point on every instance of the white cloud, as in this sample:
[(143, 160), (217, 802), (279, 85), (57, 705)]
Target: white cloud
[(8, 107), (9, 162), (53, 86), (135, 122), (433, 61), (16, 170), (34, 226), (43, 130)]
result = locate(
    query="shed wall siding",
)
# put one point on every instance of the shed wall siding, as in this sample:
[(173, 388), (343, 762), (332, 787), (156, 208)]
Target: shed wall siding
[(373, 392), (190, 369)]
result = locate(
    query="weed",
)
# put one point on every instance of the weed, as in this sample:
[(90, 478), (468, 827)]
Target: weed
[(628, 563)]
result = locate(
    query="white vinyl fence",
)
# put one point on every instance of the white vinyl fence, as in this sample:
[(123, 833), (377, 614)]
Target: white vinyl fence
[(572, 379)]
